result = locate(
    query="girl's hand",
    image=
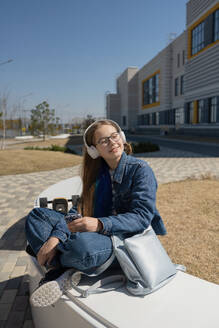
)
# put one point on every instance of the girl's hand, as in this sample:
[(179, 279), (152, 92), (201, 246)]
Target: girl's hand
[(86, 223), (47, 251)]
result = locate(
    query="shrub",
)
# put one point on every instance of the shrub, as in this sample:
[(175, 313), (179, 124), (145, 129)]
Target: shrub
[(144, 147), (51, 148)]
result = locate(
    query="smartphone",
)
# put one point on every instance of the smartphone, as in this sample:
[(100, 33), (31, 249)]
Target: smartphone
[(71, 217)]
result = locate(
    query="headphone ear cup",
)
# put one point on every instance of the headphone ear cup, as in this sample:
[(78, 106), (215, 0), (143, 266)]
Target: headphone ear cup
[(93, 152), (123, 136)]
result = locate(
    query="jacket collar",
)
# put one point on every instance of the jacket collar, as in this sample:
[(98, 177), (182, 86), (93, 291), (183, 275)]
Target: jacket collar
[(119, 171)]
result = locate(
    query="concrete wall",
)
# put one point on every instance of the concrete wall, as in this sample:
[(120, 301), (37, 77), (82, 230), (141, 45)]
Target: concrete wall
[(123, 90), (178, 49), (113, 107), (133, 97)]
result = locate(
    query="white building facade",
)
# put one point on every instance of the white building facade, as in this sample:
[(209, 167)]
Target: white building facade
[(178, 89)]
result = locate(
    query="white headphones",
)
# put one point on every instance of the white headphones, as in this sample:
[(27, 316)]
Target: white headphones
[(92, 150)]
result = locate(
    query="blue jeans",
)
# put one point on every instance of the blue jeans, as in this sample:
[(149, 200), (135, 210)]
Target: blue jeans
[(81, 250)]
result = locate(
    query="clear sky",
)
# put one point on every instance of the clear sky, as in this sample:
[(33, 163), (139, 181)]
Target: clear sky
[(69, 52)]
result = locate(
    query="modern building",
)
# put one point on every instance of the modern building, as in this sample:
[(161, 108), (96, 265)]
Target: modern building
[(178, 90)]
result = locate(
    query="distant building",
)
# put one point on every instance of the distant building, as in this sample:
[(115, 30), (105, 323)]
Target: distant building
[(178, 90)]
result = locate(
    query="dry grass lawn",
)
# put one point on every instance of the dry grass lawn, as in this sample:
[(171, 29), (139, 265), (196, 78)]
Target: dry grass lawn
[(190, 210), (17, 161)]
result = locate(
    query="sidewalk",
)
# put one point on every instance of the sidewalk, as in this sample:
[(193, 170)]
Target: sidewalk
[(17, 195)]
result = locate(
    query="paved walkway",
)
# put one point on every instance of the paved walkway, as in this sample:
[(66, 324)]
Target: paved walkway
[(17, 194)]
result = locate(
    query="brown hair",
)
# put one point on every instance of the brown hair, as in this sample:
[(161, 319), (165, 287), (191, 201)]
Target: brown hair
[(90, 168)]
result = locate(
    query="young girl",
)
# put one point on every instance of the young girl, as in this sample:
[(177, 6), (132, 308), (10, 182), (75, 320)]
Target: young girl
[(118, 197)]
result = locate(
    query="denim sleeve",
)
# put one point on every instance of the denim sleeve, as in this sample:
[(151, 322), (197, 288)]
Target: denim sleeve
[(73, 210), (142, 205)]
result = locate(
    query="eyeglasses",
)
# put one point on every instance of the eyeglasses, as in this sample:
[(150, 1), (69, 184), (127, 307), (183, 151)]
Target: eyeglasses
[(115, 136)]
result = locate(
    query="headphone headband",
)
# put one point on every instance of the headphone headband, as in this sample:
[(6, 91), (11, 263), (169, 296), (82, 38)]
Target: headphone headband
[(92, 150)]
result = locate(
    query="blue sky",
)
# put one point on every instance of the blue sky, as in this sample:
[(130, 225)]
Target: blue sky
[(69, 52)]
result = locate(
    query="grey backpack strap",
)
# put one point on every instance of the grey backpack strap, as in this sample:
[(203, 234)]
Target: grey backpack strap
[(116, 281), (103, 285), (180, 267)]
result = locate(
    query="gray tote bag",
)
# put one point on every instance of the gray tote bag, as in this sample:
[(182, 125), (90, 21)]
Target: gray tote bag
[(144, 262)]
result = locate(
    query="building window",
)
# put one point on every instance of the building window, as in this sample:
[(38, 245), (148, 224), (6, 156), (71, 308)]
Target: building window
[(182, 85), (213, 110), (157, 118), (216, 25), (176, 86), (198, 38), (179, 116), (178, 60), (190, 112), (201, 109), (124, 120), (204, 32), (183, 57), (150, 89)]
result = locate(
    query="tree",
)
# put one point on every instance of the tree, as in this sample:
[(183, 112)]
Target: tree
[(42, 119), (3, 107), (87, 121)]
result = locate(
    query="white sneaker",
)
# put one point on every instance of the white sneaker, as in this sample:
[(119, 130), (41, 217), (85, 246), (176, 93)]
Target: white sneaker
[(50, 292)]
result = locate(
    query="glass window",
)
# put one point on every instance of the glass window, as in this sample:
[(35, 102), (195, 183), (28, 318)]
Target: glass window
[(200, 111), (157, 118), (198, 38), (216, 25), (190, 108), (151, 90), (176, 86), (183, 57), (182, 85), (156, 82), (213, 110), (179, 116), (124, 120)]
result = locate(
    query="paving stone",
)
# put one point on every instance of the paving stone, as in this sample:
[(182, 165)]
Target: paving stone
[(22, 261), (3, 285), (20, 303), (4, 311), (8, 296), (8, 267), (23, 289), (28, 314), (18, 271), (14, 283), (4, 276), (2, 323), (15, 319), (28, 324)]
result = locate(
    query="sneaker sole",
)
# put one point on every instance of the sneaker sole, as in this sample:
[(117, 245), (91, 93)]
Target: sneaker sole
[(47, 294)]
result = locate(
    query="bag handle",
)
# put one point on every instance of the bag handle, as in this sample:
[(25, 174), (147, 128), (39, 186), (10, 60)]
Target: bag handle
[(116, 281)]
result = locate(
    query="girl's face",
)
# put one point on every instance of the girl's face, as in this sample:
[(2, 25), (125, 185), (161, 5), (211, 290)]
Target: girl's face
[(109, 144)]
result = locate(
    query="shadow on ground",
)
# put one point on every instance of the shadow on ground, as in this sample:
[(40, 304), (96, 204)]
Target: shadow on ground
[(14, 238)]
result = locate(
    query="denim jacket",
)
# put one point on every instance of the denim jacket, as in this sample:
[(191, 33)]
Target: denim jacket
[(135, 189)]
